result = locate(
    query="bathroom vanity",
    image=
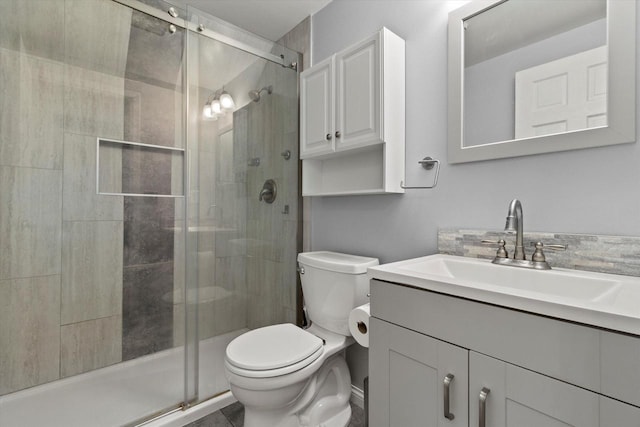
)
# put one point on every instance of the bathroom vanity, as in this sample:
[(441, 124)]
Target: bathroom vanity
[(462, 342)]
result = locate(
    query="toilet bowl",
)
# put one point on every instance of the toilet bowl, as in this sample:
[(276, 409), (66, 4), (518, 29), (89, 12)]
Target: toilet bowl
[(286, 376)]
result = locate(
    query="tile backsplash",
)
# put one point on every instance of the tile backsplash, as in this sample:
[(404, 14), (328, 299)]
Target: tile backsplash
[(589, 252)]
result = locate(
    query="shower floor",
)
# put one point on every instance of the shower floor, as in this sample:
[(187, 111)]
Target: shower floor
[(118, 394)]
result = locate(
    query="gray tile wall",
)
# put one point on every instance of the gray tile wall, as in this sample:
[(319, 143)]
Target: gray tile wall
[(272, 234), (61, 271), (152, 86), (50, 115)]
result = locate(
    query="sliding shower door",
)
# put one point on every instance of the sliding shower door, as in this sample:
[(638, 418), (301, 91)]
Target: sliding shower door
[(134, 244), (244, 249), (91, 198)]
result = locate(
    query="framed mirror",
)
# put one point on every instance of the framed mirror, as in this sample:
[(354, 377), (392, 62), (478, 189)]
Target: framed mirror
[(539, 76)]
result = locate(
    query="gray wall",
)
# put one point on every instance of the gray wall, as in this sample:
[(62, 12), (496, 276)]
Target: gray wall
[(586, 191)]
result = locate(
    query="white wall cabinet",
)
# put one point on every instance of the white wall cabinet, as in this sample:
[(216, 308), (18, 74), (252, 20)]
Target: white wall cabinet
[(515, 357), (352, 108)]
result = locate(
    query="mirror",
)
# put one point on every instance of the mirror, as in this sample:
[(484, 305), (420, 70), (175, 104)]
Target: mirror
[(538, 76)]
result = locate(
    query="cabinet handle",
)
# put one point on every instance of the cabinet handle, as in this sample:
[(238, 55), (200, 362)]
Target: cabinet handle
[(329, 136), (482, 399), (338, 134), (447, 385)]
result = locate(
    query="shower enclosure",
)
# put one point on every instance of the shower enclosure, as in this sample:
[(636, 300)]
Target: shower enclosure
[(135, 140)]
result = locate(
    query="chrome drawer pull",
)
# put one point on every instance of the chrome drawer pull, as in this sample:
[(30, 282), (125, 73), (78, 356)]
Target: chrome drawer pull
[(484, 393), (447, 386)]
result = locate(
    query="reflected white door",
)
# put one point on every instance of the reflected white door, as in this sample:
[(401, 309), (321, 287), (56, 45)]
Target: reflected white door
[(563, 95)]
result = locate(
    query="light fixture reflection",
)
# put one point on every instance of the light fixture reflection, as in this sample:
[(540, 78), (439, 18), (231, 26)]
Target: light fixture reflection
[(226, 100), (207, 112), (216, 107), (221, 103)]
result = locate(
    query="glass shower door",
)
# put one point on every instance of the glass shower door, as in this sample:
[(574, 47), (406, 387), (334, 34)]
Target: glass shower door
[(244, 249), (91, 274)]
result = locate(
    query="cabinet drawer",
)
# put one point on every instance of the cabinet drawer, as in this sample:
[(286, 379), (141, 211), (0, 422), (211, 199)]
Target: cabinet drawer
[(620, 371)]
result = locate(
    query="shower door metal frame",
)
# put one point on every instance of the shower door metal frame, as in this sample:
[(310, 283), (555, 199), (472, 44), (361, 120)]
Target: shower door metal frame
[(214, 35)]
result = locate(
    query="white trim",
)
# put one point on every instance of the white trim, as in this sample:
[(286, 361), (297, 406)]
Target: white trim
[(357, 396)]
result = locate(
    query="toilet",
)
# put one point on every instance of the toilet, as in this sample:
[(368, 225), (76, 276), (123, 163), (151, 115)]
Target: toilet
[(286, 376)]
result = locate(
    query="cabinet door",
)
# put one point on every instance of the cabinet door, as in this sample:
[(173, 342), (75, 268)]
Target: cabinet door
[(521, 398), (407, 373), (317, 110), (359, 104)]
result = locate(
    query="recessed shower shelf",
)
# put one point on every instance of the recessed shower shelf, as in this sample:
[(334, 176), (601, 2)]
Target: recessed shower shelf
[(125, 168)]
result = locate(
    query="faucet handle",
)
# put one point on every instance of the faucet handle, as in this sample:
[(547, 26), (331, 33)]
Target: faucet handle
[(502, 252), (538, 255)]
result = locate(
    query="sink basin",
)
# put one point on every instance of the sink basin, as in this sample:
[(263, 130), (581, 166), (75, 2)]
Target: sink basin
[(565, 284), (605, 300)]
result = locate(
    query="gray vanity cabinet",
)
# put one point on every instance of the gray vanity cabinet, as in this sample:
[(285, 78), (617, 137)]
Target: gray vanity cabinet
[(534, 371)]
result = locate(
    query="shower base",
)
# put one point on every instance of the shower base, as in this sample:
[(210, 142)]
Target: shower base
[(120, 394)]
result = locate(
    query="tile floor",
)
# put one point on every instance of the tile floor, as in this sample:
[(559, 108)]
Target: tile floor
[(233, 416)]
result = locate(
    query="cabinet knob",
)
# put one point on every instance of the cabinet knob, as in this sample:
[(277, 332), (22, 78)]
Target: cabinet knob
[(329, 136), (338, 134)]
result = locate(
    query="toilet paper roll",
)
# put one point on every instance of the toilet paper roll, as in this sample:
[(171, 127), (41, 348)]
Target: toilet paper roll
[(359, 324)]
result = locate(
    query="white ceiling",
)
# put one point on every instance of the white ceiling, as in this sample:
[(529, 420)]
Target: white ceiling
[(270, 19), (512, 25)]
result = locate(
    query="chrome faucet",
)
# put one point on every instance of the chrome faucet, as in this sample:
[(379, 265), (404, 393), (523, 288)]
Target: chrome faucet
[(514, 225)]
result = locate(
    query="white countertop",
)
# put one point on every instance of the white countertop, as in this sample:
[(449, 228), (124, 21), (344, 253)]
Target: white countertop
[(603, 300)]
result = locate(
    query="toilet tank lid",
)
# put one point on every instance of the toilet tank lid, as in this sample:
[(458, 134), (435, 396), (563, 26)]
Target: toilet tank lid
[(334, 261)]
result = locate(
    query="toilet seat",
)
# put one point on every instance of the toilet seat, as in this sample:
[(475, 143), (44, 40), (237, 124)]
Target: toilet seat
[(272, 351)]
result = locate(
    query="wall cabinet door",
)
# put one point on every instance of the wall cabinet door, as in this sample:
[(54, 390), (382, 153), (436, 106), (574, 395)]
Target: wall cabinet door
[(359, 106), (407, 374), (521, 398), (317, 112)]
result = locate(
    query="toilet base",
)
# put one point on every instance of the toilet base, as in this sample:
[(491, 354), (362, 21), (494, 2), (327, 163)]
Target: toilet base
[(324, 402)]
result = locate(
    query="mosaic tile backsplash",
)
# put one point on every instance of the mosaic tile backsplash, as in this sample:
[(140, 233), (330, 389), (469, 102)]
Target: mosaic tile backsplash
[(604, 254)]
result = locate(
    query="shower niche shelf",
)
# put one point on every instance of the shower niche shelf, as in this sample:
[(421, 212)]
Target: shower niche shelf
[(352, 108)]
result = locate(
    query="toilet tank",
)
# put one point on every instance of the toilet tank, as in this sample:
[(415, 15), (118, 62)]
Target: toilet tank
[(333, 284)]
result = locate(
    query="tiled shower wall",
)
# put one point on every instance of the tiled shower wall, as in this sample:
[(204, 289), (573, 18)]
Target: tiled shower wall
[(61, 245), (246, 248), (273, 229), (68, 257)]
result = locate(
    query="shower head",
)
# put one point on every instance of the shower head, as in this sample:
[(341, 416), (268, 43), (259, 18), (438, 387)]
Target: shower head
[(255, 94)]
